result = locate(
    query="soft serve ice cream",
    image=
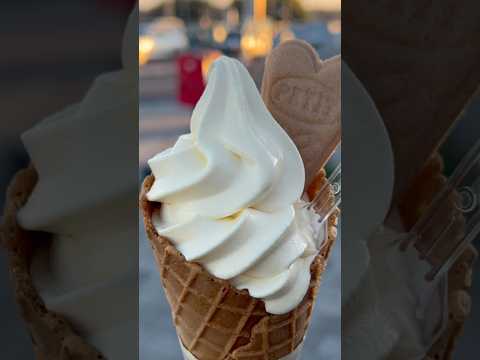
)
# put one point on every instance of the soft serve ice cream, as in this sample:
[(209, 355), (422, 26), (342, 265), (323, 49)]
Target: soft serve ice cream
[(230, 194), (89, 265)]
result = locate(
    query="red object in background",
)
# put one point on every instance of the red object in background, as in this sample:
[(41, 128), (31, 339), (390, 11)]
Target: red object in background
[(191, 84)]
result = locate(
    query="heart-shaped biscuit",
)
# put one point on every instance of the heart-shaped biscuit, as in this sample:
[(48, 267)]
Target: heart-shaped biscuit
[(303, 94)]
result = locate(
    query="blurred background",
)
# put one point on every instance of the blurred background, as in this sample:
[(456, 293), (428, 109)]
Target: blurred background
[(48, 61), (178, 41), (459, 142)]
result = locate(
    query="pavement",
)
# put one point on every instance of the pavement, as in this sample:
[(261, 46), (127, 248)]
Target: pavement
[(157, 80), (161, 122)]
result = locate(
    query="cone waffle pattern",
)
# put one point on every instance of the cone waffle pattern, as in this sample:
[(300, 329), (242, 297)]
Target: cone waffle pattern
[(52, 336), (216, 321)]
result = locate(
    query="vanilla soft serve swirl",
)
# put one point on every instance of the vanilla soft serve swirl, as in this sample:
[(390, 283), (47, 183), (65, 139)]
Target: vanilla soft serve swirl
[(230, 193)]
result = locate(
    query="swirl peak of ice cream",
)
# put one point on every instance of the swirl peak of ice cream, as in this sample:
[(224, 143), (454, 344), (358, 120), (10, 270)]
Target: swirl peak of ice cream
[(230, 193)]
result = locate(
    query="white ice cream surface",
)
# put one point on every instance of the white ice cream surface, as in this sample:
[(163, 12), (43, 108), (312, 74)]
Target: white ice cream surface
[(230, 193)]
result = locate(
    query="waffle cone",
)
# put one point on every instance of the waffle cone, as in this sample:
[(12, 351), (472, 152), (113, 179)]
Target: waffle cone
[(53, 338), (213, 319)]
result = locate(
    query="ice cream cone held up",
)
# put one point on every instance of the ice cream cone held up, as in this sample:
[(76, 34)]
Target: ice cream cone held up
[(238, 251)]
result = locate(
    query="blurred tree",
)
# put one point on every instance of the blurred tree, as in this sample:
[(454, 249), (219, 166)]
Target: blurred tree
[(293, 9)]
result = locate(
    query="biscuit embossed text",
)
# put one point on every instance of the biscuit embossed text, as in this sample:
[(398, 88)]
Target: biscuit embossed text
[(308, 98)]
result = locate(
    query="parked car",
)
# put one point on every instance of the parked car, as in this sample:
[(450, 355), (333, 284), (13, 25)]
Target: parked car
[(169, 35)]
